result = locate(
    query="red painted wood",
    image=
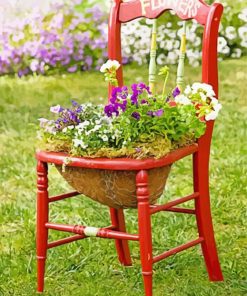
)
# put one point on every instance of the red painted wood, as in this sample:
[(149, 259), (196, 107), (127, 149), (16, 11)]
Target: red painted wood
[(144, 225), (185, 9), (177, 249), (122, 247), (114, 41), (181, 210), (63, 196), (42, 218), (117, 163), (66, 240), (201, 158), (158, 208), (103, 232)]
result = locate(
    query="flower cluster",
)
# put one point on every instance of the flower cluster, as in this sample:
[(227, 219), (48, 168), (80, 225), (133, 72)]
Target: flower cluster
[(135, 123), (63, 39)]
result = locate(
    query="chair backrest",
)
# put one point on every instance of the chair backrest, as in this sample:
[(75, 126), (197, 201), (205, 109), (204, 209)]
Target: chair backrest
[(208, 16)]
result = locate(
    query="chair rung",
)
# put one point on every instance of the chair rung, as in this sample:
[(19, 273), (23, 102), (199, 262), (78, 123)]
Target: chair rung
[(158, 208), (105, 232), (182, 210), (65, 241), (177, 249), (63, 196)]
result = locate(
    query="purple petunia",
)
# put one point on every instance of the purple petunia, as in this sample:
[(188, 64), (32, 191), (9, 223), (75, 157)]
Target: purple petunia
[(138, 89), (110, 110), (158, 113), (176, 92), (136, 115)]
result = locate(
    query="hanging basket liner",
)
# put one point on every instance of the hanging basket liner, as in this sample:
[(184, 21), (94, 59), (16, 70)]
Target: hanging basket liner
[(116, 189)]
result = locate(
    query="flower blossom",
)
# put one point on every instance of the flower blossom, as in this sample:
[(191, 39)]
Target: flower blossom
[(56, 109), (183, 100), (110, 65)]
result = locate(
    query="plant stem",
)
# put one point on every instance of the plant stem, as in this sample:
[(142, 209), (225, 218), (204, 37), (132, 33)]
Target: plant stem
[(164, 87)]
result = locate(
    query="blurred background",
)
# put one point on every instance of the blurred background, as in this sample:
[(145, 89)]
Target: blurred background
[(44, 37)]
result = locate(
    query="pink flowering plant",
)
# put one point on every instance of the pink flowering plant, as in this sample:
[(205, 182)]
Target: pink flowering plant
[(135, 123)]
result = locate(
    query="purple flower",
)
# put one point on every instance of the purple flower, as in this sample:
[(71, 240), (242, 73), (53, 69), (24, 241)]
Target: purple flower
[(72, 69), (136, 115), (158, 113), (144, 102), (176, 92), (56, 109), (138, 150), (150, 113), (74, 103), (110, 110)]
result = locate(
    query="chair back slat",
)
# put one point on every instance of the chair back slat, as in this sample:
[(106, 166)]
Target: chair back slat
[(152, 64)]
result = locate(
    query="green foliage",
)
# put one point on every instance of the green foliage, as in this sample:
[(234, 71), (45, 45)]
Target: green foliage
[(90, 267)]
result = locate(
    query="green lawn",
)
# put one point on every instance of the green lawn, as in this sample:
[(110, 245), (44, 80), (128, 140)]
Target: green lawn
[(90, 267)]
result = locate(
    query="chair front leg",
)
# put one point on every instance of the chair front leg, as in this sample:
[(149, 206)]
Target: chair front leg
[(122, 246), (204, 218), (42, 219), (145, 234)]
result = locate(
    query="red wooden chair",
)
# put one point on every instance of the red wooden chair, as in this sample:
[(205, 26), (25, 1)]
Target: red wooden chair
[(121, 12)]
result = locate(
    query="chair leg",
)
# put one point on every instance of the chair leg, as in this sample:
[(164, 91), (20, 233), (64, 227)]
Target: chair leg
[(144, 223), (204, 218), (122, 246), (42, 218)]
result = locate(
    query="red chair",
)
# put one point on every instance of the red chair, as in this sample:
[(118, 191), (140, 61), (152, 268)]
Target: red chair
[(121, 12)]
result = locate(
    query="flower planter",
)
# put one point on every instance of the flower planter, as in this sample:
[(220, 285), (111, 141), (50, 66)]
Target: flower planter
[(116, 189)]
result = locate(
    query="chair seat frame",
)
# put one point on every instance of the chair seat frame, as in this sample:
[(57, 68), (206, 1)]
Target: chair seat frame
[(209, 17)]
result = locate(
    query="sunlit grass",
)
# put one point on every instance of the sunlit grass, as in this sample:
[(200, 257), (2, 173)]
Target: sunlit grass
[(90, 267)]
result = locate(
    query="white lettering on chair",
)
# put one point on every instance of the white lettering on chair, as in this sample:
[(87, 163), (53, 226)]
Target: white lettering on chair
[(186, 7)]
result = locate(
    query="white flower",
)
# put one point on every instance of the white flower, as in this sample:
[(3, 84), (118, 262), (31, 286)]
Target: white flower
[(183, 100), (43, 122), (79, 143), (231, 32), (82, 125), (65, 130), (208, 89), (56, 109), (34, 66), (211, 116), (110, 65), (71, 127), (188, 90), (104, 138)]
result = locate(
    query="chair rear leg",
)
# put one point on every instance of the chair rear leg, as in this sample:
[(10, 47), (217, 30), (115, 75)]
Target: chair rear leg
[(122, 246), (204, 218), (42, 219), (145, 234)]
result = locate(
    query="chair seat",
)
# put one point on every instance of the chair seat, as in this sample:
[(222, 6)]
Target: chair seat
[(117, 164)]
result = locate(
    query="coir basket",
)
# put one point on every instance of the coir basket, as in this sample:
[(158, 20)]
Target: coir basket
[(116, 189)]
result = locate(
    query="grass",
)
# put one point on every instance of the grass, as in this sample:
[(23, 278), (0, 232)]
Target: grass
[(90, 267)]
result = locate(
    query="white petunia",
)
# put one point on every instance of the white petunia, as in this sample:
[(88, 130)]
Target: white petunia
[(79, 143), (104, 138), (183, 100), (211, 116), (187, 90), (56, 109), (110, 65)]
